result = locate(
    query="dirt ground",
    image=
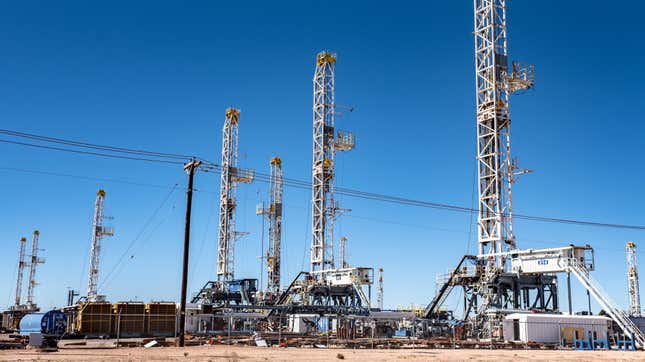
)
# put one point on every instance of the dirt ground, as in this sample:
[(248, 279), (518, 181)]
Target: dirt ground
[(244, 354)]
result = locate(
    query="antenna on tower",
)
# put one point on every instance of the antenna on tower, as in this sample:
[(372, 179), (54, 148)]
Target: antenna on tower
[(99, 231)]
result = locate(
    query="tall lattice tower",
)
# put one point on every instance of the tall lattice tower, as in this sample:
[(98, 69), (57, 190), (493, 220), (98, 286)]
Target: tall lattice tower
[(274, 214), (494, 84), (379, 295), (326, 141), (99, 231), (632, 281), (21, 270), (231, 176), (35, 260)]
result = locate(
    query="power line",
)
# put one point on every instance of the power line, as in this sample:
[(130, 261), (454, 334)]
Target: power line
[(209, 166), (93, 145), (139, 235), (90, 152)]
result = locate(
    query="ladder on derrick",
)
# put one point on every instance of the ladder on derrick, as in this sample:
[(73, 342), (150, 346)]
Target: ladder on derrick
[(616, 314)]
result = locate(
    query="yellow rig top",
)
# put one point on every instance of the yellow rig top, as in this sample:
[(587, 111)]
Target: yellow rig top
[(233, 114), (276, 161), (325, 57), (631, 244), (101, 192)]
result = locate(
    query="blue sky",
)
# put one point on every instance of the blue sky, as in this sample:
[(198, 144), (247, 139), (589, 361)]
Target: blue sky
[(158, 76)]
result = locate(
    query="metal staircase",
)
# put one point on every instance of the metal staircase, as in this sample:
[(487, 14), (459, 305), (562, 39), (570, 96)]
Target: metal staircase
[(616, 314), (444, 291)]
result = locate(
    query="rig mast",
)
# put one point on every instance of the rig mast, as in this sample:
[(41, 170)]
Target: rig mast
[(632, 281), (494, 84), (274, 215), (326, 141), (231, 176), (98, 232), (21, 269), (35, 260), (379, 295)]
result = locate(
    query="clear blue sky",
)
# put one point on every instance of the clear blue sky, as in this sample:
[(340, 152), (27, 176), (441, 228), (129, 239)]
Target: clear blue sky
[(158, 76)]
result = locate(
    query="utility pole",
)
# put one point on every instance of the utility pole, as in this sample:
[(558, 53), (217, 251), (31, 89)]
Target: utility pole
[(190, 167), (21, 269), (35, 260)]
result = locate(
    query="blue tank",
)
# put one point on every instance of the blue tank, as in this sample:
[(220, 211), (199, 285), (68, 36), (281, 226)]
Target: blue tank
[(52, 323)]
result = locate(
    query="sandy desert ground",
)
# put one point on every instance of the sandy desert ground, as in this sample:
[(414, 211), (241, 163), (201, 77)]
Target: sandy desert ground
[(228, 353)]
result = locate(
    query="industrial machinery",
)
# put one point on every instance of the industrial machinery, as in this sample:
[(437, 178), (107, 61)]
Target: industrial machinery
[(632, 281), (99, 231), (226, 289), (44, 329), (502, 279), (326, 288), (379, 294), (11, 317), (274, 215), (21, 270), (35, 260), (231, 177)]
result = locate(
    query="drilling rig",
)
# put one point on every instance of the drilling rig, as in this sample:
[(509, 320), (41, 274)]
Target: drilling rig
[(11, 318), (502, 279), (21, 270), (226, 288), (379, 295), (35, 260), (325, 288), (632, 281), (99, 231), (274, 215), (231, 177)]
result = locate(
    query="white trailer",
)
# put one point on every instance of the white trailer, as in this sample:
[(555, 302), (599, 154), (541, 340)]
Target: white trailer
[(551, 328)]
